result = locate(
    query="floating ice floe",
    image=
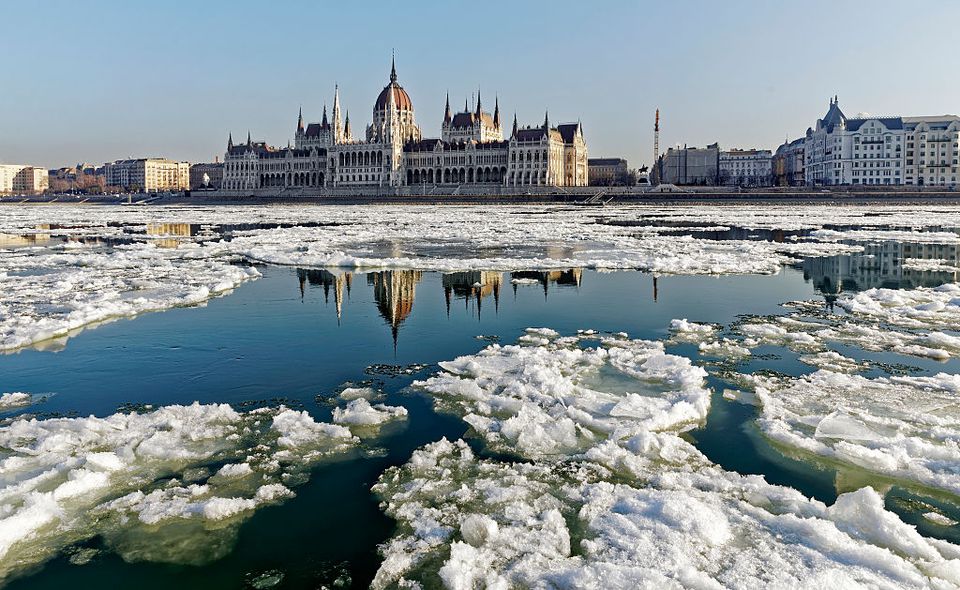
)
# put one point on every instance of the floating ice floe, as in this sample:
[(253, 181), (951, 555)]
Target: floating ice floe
[(902, 427), (937, 307), (150, 484), (359, 412), (812, 337), (613, 496), (14, 400), (553, 396)]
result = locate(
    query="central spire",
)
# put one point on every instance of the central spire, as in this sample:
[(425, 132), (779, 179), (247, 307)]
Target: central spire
[(393, 68)]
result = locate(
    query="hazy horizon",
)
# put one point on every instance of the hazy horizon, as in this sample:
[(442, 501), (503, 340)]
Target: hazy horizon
[(119, 80)]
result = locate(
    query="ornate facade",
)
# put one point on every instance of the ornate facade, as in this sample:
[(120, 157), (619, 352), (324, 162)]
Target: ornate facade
[(911, 151), (394, 154)]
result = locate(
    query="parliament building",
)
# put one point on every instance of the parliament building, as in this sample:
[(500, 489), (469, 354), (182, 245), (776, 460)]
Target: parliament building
[(392, 152)]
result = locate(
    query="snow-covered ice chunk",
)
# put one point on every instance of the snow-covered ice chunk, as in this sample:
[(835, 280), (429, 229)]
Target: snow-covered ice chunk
[(904, 427), (482, 523), (555, 395), (360, 412), (67, 479), (15, 399)]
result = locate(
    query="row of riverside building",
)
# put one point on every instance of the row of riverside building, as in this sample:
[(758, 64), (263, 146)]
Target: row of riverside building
[(150, 175), (392, 152), (837, 150)]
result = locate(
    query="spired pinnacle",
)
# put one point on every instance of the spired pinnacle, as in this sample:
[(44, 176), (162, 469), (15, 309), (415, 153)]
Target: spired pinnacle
[(514, 125), (248, 138), (478, 103), (496, 112), (230, 140), (446, 113), (393, 67), (546, 120)]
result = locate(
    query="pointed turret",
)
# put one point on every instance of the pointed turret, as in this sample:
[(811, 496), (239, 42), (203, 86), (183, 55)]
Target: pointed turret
[(249, 143), (346, 127), (230, 141), (478, 104), (546, 120), (466, 105), (514, 133), (324, 123), (447, 115), (393, 68), (300, 121), (496, 112), (337, 129)]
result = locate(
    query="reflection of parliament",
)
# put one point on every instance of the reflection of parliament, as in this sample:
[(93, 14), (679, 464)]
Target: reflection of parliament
[(394, 290), (471, 152)]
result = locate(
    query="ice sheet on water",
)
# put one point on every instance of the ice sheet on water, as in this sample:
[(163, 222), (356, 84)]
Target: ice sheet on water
[(49, 293), (885, 235), (171, 484), (902, 427), (55, 288)]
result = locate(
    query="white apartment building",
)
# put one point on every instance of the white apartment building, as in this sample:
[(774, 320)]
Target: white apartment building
[(22, 179), (920, 151), (746, 167), (148, 174)]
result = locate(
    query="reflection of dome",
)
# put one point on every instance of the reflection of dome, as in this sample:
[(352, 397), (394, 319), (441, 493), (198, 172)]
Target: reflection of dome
[(400, 96)]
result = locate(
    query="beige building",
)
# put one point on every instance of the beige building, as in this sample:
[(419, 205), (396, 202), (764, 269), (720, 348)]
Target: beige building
[(393, 153), (21, 179), (608, 171), (148, 174), (932, 154)]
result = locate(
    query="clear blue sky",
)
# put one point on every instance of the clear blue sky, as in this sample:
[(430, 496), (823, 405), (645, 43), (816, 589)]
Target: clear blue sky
[(95, 81)]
